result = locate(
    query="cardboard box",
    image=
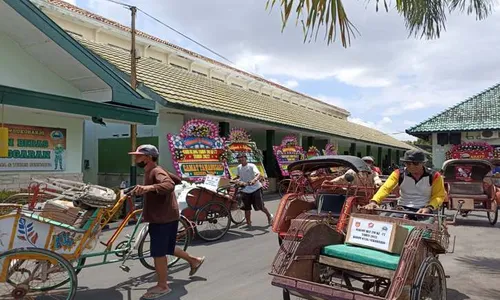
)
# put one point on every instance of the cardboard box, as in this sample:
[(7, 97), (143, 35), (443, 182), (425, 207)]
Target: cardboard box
[(384, 236), (60, 211)]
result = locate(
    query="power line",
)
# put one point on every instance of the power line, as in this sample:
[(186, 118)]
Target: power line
[(173, 29)]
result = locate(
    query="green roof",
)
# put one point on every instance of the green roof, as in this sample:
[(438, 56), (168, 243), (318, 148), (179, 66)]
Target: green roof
[(480, 112)]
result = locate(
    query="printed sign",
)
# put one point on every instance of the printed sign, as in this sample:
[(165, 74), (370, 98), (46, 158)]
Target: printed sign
[(240, 143), (373, 234), (474, 150), (197, 151), (287, 152), (34, 148), (463, 173)]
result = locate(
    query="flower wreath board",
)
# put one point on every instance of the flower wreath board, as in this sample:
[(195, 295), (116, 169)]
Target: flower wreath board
[(288, 152), (198, 150), (312, 152), (474, 150), (330, 149), (239, 142)]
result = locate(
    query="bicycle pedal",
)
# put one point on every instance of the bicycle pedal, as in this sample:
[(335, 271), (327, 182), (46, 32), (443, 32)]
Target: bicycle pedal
[(125, 268)]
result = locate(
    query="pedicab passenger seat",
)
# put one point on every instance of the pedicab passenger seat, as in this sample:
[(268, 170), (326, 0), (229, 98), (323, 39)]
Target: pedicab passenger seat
[(357, 258), (460, 189)]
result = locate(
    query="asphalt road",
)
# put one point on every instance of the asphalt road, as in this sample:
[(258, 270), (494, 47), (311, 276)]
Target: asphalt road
[(237, 267)]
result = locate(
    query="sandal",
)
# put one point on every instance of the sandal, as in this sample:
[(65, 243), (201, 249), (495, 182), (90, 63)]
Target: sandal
[(150, 295), (195, 269)]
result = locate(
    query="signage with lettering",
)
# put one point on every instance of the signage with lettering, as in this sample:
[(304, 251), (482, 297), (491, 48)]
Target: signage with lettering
[(32, 148), (473, 150), (198, 150), (239, 142), (288, 152), (373, 234)]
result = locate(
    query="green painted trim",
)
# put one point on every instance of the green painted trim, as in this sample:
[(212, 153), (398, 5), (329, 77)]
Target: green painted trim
[(37, 100), (122, 92)]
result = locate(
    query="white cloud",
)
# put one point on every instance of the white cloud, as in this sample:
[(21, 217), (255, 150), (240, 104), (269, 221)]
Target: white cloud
[(291, 84), (70, 1), (394, 77)]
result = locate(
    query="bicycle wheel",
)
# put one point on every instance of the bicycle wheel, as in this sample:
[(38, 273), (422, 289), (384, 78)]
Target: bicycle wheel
[(31, 272), (237, 214), (212, 221), (283, 186), (184, 236)]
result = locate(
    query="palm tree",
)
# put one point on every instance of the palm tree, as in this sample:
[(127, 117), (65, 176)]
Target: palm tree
[(424, 17)]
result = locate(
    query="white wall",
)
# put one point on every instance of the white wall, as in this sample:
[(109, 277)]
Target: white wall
[(19, 69)]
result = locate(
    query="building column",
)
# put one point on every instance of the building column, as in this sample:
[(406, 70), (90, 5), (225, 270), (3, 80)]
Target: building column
[(379, 157), (271, 164), (168, 123), (398, 155), (368, 150), (389, 156), (352, 149), (299, 139), (224, 129)]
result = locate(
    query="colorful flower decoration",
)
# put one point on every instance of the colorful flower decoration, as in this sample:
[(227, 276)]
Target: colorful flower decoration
[(239, 135), (284, 159), (330, 149), (200, 128), (472, 149)]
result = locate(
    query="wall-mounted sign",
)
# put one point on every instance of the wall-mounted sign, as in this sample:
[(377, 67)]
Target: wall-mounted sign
[(34, 148), (239, 142), (288, 152), (474, 150), (198, 150)]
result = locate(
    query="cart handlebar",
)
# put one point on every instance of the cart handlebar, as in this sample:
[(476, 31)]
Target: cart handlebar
[(127, 191)]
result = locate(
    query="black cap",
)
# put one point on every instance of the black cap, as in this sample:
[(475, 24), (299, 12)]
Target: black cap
[(414, 156)]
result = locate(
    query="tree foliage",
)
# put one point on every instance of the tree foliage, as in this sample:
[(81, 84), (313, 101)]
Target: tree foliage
[(424, 18)]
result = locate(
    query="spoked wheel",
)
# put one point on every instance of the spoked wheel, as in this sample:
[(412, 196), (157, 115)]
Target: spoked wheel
[(237, 214), (493, 214), (184, 236), (430, 283), (283, 186), (33, 273), (212, 221)]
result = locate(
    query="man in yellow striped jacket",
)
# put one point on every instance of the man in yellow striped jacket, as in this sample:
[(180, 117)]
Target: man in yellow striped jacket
[(421, 189)]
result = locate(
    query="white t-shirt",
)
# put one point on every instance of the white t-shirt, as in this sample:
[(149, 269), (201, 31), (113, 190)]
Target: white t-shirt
[(247, 173)]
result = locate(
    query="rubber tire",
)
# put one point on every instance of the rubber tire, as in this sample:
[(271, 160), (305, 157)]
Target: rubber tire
[(493, 219), (69, 268), (205, 207), (281, 190), (422, 271), (286, 294), (140, 250)]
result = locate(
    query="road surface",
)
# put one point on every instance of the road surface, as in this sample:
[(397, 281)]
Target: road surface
[(237, 267)]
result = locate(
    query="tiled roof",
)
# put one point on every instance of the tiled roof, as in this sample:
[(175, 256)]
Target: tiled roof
[(182, 87), (96, 17), (480, 112)]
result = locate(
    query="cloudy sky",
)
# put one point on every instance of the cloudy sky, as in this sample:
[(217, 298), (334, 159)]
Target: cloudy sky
[(385, 79)]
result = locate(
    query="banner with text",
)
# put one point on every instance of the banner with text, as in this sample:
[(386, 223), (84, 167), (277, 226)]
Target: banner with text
[(197, 150), (33, 148), (288, 152), (240, 143)]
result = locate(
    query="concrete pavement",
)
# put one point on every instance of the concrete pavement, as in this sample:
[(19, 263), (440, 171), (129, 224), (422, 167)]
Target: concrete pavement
[(237, 266)]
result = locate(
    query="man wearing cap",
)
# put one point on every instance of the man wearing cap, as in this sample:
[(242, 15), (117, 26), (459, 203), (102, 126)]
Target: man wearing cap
[(421, 189), (162, 212), (371, 163), (361, 178), (248, 175)]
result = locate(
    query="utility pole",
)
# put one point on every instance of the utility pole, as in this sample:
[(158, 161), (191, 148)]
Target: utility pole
[(133, 84)]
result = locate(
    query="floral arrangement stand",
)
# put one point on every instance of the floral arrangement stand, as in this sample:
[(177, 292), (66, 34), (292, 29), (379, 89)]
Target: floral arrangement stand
[(198, 150), (330, 149), (239, 142), (312, 152), (477, 150), (288, 152)]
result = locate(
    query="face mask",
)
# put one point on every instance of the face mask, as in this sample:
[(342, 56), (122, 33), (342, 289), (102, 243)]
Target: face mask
[(141, 164)]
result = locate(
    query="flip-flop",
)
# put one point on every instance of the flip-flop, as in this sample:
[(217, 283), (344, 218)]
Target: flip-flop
[(155, 295), (195, 269)]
